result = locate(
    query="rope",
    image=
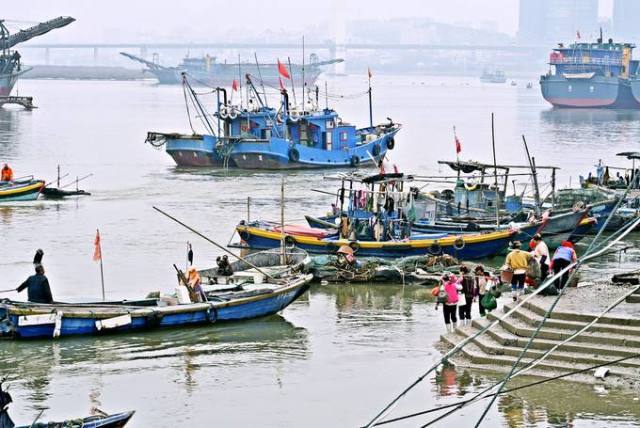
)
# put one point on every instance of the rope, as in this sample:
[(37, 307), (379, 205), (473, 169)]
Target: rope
[(510, 390), (467, 340), (551, 308)]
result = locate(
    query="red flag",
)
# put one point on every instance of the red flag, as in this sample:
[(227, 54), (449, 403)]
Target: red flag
[(578, 33), (369, 72), (458, 145), (97, 252), (234, 85), (281, 84), (283, 70)]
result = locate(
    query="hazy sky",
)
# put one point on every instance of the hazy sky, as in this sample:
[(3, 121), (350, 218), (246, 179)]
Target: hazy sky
[(206, 20)]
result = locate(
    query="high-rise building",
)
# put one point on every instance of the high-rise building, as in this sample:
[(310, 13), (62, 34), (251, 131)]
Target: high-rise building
[(551, 21), (625, 20)]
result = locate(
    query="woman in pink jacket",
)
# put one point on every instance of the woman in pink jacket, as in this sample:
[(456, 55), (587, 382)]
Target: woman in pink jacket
[(451, 287)]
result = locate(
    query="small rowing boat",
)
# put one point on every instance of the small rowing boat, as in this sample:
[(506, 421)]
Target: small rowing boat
[(253, 298), (20, 190)]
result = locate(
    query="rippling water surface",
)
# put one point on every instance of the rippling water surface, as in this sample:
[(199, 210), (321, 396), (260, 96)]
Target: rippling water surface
[(331, 359)]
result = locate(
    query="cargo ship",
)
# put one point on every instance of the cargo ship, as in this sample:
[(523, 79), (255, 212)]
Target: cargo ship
[(207, 71), (10, 66), (592, 75), (497, 76)]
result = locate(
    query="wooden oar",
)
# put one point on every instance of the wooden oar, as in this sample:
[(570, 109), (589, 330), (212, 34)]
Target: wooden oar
[(213, 242)]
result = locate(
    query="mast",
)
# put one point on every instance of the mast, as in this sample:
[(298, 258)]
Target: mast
[(532, 163), (495, 172), (261, 81), (293, 85), (370, 104), (304, 84)]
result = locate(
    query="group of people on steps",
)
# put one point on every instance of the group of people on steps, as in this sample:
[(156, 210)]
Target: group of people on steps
[(458, 294)]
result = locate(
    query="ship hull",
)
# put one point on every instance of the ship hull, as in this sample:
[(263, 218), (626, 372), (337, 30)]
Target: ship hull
[(195, 151), (224, 75), (596, 92), (7, 82)]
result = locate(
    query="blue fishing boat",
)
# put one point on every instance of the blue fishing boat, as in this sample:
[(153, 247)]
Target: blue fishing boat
[(258, 136), (27, 189), (255, 298)]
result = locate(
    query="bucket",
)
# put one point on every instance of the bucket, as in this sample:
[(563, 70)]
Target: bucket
[(506, 275)]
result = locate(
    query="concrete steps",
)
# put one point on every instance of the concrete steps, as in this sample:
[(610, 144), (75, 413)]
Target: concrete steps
[(634, 298), (611, 338)]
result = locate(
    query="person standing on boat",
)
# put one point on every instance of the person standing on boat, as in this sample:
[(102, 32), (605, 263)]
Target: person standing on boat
[(563, 257), (38, 290), (518, 261), (541, 254), (450, 286), (467, 288), (194, 283), (7, 173), (600, 172)]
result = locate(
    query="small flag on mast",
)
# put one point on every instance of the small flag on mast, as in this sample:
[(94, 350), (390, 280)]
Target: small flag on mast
[(283, 70), (234, 85), (97, 252), (458, 145), (369, 72), (578, 34)]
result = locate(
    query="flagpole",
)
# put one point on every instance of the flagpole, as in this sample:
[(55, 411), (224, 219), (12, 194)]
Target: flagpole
[(370, 104), (455, 139), (101, 266), (293, 86)]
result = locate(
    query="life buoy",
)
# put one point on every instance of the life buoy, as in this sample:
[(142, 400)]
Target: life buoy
[(470, 186), (376, 149), (294, 116), (212, 314), (294, 155), (435, 248), (279, 117), (355, 160), (459, 243), (224, 112), (233, 113), (391, 143)]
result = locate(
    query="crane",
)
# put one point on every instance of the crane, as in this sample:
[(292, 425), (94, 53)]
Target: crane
[(8, 40)]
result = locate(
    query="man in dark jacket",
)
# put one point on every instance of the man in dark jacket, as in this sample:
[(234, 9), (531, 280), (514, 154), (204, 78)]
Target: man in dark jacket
[(37, 287)]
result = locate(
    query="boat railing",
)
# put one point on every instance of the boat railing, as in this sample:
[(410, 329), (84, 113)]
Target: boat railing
[(585, 60)]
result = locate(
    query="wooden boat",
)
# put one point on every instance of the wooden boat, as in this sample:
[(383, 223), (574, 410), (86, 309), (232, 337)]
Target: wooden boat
[(55, 193), (116, 420), (20, 190), (20, 320), (259, 235)]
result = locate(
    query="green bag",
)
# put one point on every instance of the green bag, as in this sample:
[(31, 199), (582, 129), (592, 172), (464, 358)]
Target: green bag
[(489, 302)]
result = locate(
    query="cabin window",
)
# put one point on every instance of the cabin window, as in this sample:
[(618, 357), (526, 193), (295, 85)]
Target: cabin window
[(329, 124), (344, 136), (569, 88), (591, 89), (328, 142)]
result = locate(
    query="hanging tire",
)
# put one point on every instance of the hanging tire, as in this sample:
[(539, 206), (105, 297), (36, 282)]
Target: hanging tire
[(289, 241), (294, 155), (224, 112), (459, 243), (233, 113), (391, 143), (355, 160), (435, 249), (294, 116), (376, 149)]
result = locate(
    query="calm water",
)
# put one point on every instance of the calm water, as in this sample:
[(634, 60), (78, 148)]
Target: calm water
[(333, 358)]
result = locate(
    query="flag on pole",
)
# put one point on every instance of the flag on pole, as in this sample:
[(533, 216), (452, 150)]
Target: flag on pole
[(282, 88), (283, 70), (97, 252), (234, 85), (458, 145), (369, 72), (578, 34)]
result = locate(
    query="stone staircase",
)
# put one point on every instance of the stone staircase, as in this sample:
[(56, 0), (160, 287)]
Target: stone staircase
[(634, 298), (497, 349)]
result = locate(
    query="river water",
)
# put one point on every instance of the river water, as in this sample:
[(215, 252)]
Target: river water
[(334, 357)]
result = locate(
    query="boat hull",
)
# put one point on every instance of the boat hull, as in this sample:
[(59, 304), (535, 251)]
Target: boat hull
[(470, 247), (193, 150), (277, 154), (596, 92), (21, 191), (82, 320), (117, 420)]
